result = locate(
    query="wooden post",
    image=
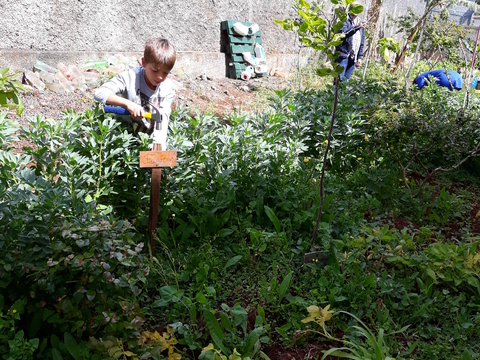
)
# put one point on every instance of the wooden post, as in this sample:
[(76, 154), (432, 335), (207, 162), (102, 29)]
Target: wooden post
[(474, 53), (155, 159)]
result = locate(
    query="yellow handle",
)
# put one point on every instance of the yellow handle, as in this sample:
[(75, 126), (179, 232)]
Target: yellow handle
[(147, 115)]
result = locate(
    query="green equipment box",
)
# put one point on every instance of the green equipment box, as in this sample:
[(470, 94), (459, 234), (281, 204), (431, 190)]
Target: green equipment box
[(235, 45)]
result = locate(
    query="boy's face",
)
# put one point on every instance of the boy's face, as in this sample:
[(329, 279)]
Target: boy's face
[(155, 73)]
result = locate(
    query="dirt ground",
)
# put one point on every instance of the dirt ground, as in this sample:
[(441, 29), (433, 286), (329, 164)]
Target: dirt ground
[(201, 93)]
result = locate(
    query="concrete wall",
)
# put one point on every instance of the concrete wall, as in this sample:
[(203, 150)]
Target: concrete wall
[(54, 30), (120, 25), (395, 8), (69, 30)]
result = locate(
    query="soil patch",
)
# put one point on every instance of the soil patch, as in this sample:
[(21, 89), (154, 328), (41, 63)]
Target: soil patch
[(475, 218), (400, 224), (203, 94), (310, 350)]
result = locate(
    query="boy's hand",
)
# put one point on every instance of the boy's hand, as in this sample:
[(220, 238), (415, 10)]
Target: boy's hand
[(135, 110)]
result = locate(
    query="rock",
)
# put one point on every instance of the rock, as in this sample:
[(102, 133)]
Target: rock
[(43, 103), (226, 92), (245, 88)]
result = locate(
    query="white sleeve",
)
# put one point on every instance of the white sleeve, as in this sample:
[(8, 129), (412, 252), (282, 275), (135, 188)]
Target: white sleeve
[(116, 86), (160, 136)]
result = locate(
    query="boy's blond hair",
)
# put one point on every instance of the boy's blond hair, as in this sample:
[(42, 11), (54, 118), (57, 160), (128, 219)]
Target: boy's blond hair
[(160, 51)]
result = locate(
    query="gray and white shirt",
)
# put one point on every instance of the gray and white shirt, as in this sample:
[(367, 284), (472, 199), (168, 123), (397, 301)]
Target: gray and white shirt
[(131, 85)]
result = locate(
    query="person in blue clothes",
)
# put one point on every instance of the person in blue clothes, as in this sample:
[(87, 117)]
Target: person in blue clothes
[(351, 49), (453, 81)]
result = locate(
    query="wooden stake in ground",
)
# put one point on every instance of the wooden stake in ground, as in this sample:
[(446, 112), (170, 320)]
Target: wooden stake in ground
[(156, 159)]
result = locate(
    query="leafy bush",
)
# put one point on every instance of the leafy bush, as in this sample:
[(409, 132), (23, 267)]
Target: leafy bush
[(9, 88), (385, 45), (228, 170), (236, 216), (13, 344), (225, 335), (63, 259), (428, 132)]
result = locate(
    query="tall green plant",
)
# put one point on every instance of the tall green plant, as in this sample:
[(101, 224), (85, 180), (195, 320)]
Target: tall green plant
[(71, 267), (323, 34), (9, 88), (225, 334), (375, 347), (430, 5), (385, 45)]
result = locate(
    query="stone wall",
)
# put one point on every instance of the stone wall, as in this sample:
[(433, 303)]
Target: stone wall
[(77, 30), (54, 30), (119, 25)]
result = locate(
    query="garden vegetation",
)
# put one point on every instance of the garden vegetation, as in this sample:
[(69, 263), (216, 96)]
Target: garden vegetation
[(400, 224)]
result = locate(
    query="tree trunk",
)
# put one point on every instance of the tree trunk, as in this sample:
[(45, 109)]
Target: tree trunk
[(322, 178), (401, 55), (407, 79), (372, 18)]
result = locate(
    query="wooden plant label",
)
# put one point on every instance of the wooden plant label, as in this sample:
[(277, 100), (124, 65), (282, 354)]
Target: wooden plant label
[(157, 159), (317, 258)]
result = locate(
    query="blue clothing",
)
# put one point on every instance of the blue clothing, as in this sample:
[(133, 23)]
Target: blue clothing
[(348, 64), (346, 48), (441, 79)]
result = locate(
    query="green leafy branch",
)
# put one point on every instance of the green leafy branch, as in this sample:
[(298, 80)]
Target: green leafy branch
[(316, 30), (9, 88)]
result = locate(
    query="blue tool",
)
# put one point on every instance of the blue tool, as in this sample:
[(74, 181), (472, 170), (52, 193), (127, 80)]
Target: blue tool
[(154, 115)]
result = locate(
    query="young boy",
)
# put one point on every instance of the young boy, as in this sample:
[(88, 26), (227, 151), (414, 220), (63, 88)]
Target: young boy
[(136, 89)]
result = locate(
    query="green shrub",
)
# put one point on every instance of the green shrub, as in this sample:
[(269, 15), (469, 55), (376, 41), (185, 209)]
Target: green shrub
[(9, 88), (73, 267)]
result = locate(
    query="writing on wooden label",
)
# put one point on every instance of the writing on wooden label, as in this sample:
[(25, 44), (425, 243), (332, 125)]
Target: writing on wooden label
[(156, 159)]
